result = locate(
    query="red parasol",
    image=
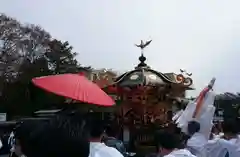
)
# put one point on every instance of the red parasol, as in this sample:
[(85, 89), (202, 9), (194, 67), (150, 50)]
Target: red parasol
[(74, 86)]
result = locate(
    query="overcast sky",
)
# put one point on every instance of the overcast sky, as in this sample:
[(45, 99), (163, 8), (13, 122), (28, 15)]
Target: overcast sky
[(201, 36)]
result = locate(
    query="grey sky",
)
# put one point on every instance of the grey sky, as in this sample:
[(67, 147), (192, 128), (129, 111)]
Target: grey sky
[(202, 36)]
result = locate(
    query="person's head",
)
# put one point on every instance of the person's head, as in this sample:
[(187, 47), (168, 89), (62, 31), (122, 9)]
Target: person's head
[(193, 127), (111, 131), (214, 130), (22, 137), (166, 142), (61, 136), (96, 129), (230, 128), (177, 130)]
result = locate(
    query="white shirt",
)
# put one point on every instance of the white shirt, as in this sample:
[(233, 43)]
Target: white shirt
[(196, 143), (211, 148), (220, 135), (11, 139), (202, 147), (1, 144), (98, 149), (236, 142), (180, 153), (219, 148)]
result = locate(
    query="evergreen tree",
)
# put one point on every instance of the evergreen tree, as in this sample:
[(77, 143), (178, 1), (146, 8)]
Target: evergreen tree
[(61, 58)]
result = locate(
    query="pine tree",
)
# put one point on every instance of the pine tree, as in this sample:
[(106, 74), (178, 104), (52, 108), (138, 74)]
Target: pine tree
[(61, 58)]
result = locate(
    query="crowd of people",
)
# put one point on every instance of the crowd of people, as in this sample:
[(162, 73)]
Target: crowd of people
[(72, 135), (75, 135)]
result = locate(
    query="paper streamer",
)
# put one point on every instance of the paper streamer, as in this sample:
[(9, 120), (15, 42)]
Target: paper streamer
[(201, 110)]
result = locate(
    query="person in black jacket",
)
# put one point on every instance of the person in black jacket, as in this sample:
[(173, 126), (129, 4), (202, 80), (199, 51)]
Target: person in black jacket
[(5, 149), (61, 136)]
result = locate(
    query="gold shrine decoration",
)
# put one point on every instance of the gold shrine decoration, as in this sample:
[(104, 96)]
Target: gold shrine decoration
[(145, 98), (184, 80), (141, 138), (102, 77)]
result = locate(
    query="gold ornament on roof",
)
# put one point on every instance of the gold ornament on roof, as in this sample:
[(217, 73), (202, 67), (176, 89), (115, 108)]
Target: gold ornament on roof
[(184, 78)]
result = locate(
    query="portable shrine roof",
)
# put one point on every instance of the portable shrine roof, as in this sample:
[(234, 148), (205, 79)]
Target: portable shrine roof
[(145, 76), (142, 75)]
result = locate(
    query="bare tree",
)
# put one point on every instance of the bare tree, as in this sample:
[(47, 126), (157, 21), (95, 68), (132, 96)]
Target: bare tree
[(34, 42), (19, 44), (10, 31)]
